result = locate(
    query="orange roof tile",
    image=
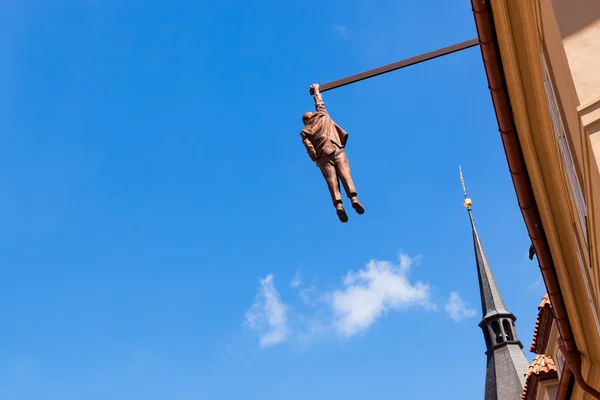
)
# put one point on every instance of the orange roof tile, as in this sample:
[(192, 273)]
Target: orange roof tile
[(526, 391), (542, 364), (545, 302), (543, 367), (543, 324)]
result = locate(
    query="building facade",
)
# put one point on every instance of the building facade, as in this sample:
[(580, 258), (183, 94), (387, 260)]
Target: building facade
[(542, 62)]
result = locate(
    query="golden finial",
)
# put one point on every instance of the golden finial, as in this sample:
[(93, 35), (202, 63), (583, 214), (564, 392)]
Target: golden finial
[(468, 202)]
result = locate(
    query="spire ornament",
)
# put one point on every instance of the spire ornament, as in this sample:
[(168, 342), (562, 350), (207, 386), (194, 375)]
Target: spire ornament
[(468, 202)]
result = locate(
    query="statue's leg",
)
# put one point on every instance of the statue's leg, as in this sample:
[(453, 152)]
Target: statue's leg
[(343, 170), (327, 167)]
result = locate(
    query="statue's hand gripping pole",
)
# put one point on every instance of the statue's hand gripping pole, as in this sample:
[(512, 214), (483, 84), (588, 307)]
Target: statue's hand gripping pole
[(314, 89)]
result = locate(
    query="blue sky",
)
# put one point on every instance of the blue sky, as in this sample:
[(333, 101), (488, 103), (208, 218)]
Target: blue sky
[(163, 234)]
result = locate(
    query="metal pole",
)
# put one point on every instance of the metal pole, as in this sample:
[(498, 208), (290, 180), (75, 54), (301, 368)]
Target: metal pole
[(397, 65)]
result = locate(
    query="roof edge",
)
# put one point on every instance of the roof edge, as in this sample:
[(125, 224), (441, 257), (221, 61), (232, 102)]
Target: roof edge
[(541, 332)]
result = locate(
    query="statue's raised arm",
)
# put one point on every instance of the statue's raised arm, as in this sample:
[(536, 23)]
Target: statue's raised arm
[(317, 97), (324, 141)]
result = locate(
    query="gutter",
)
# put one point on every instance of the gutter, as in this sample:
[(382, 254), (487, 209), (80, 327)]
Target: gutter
[(490, 53), (564, 384)]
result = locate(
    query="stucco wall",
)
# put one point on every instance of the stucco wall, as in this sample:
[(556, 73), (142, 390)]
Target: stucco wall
[(579, 24), (567, 96)]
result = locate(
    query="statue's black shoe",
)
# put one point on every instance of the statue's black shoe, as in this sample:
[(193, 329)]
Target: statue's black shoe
[(357, 206), (341, 213)]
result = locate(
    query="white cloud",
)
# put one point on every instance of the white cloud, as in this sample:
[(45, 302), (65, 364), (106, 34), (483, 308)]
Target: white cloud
[(371, 292), (310, 295), (268, 314), (457, 309), (365, 296), (340, 29), (538, 282), (296, 281)]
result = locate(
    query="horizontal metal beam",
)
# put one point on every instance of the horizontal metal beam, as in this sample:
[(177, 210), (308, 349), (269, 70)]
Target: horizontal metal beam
[(397, 65)]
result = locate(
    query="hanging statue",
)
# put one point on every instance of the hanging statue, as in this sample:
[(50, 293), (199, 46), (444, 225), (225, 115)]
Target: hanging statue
[(325, 141)]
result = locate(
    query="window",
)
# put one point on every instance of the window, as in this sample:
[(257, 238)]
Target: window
[(507, 330), (589, 293), (560, 362), (565, 150), (486, 335), (498, 338)]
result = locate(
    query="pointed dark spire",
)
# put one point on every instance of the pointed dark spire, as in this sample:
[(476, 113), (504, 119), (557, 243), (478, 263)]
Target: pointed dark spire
[(491, 300), (506, 362)]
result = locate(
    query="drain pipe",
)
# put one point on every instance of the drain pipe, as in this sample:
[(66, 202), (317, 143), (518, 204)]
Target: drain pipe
[(564, 384)]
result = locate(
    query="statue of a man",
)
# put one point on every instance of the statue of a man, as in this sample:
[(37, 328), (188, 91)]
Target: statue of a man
[(325, 141)]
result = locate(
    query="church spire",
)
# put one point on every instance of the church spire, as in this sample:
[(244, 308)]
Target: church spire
[(491, 300), (506, 362)]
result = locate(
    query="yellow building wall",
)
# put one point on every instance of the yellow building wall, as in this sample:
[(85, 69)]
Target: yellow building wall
[(531, 37), (577, 22), (562, 37), (579, 25)]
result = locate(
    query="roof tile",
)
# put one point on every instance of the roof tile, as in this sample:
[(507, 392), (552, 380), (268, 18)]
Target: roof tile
[(545, 302), (543, 367), (541, 364), (543, 324)]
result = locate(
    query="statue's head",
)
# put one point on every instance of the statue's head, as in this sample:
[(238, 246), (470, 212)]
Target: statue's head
[(306, 117)]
